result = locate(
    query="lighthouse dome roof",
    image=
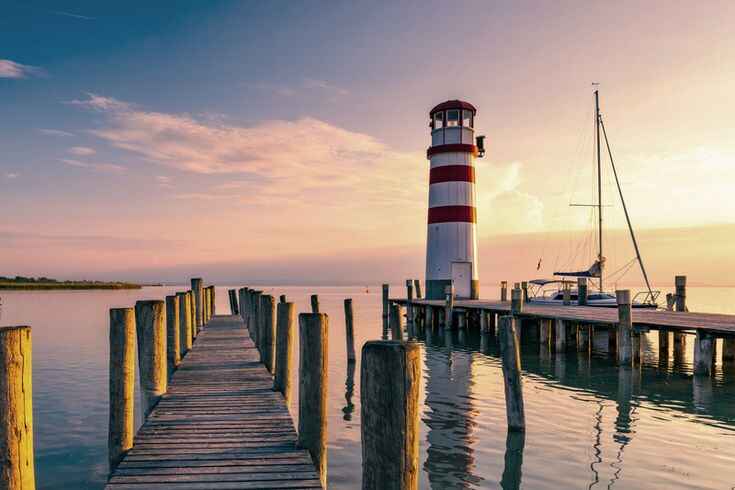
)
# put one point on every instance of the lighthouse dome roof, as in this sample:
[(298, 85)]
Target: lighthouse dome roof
[(453, 104)]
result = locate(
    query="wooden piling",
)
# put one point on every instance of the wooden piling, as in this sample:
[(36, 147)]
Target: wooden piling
[(516, 301), (624, 328), (429, 316), (121, 428), (511, 357), (449, 306), (567, 295), (284, 348), (192, 305), (349, 331), (583, 338), (663, 346), (315, 303), (703, 347), (395, 322), (728, 349), (173, 340), (185, 334), (282, 298), (207, 305), (417, 288), (560, 335), (212, 301), (196, 288), (680, 304), (386, 305), (268, 305), (503, 290), (524, 290), (234, 306), (17, 471), (254, 308), (313, 381), (241, 304), (409, 303), (582, 291), (545, 333), (390, 381), (151, 333)]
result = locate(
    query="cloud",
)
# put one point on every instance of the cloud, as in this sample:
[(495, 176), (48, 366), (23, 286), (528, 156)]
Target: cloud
[(82, 151), (324, 85), (55, 132), (12, 175), (103, 167), (100, 103), (11, 69), (69, 14), (164, 181), (308, 84)]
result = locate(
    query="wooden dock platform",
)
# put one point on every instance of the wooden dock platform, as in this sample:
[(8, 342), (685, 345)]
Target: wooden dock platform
[(219, 426), (717, 324)]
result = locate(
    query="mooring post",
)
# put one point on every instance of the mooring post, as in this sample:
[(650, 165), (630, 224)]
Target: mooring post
[(409, 302), (253, 323), (315, 303), (150, 327), (313, 381), (16, 409), (524, 289), (173, 341), (516, 301), (284, 349), (390, 380), (269, 332), (282, 298), (510, 353), (185, 338), (567, 298), (670, 301), (625, 328), (121, 428), (417, 288), (196, 288), (395, 322), (386, 299), (349, 331), (503, 290), (449, 306), (582, 291), (703, 347), (680, 304)]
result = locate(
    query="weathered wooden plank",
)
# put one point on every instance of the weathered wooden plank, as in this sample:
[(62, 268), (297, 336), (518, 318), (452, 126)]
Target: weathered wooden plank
[(219, 426)]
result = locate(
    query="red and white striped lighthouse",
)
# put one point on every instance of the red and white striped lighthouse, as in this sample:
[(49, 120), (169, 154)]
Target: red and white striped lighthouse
[(451, 245)]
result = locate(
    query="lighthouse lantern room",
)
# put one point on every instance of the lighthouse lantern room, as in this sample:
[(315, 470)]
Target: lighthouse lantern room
[(451, 245)]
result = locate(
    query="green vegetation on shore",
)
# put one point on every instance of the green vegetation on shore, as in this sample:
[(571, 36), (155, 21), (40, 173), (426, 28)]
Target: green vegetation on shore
[(29, 283)]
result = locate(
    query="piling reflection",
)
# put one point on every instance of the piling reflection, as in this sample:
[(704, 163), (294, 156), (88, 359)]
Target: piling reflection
[(512, 470), (349, 407)]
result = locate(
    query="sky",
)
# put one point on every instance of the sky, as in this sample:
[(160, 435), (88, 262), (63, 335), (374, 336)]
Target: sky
[(285, 141)]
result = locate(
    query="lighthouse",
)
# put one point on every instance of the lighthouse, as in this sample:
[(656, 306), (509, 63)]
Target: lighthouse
[(451, 243)]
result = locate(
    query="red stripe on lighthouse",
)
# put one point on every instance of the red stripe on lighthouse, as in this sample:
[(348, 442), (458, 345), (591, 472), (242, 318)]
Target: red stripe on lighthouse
[(452, 173), (447, 214)]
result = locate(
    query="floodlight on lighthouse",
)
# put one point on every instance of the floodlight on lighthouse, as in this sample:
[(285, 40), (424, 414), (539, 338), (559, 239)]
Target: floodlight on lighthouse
[(451, 245)]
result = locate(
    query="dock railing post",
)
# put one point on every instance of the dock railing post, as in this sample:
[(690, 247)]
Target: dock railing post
[(284, 349), (193, 313), (315, 303), (395, 322), (242, 305), (510, 353), (196, 288), (173, 341), (582, 291), (313, 381), (212, 301), (624, 328), (390, 380), (417, 288), (253, 323), (16, 409), (269, 332), (121, 428), (151, 332), (349, 331), (503, 290), (449, 306), (185, 338)]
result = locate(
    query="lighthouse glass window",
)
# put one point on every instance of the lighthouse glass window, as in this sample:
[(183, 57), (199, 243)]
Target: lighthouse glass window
[(452, 118), (438, 120), (467, 118)]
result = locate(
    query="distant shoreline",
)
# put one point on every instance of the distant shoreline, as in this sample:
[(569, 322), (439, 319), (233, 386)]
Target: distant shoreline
[(30, 286)]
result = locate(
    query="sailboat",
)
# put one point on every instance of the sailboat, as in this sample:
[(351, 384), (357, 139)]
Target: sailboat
[(552, 291)]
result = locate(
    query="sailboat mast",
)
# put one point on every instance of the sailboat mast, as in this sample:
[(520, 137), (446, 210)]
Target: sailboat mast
[(599, 183)]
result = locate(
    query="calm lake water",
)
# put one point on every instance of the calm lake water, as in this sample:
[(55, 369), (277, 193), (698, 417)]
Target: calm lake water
[(589, 424)]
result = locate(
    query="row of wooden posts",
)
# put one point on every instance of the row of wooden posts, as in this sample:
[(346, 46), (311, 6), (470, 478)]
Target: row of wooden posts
[(390, 379)]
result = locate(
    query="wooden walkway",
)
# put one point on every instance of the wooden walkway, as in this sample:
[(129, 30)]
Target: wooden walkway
[(720, 325), (219, 426)]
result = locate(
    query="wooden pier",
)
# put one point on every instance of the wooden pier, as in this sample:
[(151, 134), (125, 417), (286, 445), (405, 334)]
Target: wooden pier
[(219, 425)]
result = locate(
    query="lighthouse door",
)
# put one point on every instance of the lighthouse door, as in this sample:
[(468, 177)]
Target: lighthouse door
[(462, 278)]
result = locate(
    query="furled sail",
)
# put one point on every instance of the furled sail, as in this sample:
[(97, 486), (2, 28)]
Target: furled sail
[(594, 271)]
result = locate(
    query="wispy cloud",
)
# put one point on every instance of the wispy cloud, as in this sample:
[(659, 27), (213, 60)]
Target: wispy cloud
[(326, 86), (55, 132), (308, 85), (164, 181), (11, 69), (70, 14), (100, 103), (82, 151), (103, 167)]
